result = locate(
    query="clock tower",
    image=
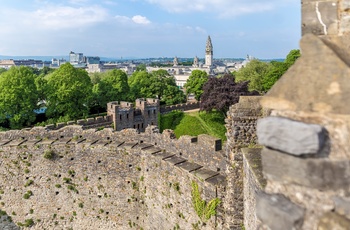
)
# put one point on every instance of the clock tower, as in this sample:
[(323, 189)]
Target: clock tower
[(209, 53)]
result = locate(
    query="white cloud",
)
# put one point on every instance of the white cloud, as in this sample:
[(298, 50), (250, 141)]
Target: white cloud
[(78, 2), (58, 17), (222, 8), (140, 20), (200, 30)]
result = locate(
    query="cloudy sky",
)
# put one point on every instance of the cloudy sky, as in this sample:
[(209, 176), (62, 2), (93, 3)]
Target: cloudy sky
[(149, 28)]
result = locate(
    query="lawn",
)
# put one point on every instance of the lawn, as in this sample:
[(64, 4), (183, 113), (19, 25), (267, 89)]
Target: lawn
[(194, 123)]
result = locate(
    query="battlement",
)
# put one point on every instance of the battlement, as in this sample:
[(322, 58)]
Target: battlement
[(180, 107), (133, 177), (125, 115)]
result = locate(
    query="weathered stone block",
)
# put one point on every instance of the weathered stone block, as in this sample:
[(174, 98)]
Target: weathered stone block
[(290, 136), (320, 173), (52, 126), (320, 17), (333, 221), (342, 206), (81, 122), (311, 84), (277, 212), (70, 122), (60, 125), (210, 142)]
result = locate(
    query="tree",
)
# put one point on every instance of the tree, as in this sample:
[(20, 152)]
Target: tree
[(69, 92), (139, 83), (18, 96), (292, 57), (195, 83), (113, 86), (221, 93), (172, 95), (158, 84), (141, 67), (275, 71), (253, 72), (2, 70), (263, 75)]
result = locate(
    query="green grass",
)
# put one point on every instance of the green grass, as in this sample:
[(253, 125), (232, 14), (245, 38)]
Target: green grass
[(194, 123)]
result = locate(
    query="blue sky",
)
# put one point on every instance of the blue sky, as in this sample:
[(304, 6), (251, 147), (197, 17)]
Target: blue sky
[(150, 28)]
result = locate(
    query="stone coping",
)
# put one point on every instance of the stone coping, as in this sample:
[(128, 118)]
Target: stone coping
[(253, 159)]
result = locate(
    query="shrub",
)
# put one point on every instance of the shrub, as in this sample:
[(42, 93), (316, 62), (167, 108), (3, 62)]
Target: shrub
[(28, 194), (28, 183), (49, 154), (203, 209)]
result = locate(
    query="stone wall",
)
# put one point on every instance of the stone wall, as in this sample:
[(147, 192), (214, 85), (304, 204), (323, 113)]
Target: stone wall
[(306, 158), (241, 125), (93, 122), (253, 184), (325, 17), (181, 107), (103, 180)]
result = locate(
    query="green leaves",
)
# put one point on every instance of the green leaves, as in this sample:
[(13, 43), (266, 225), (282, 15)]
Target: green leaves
[(18, 96), (263, 75), (203, 210), (157, 84), (69, 92), (195, 83)]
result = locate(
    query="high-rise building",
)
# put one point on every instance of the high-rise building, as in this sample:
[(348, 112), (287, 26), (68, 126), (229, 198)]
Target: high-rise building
[(76, 58)]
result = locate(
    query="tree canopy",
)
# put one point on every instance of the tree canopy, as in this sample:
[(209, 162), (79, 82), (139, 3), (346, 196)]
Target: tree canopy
[(18, 96), (253, 72), (69, 92), (221, 93), (112, 86), (158, 84), (195, 83), (263, 75)]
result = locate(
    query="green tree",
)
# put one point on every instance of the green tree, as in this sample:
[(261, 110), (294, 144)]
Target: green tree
[(292, 57), (139, 82), (2, 70), (18, 96), (275, 71), (113, 86), (141, 67), (195, 83), (253, 72), (69, 92), (158, 84)]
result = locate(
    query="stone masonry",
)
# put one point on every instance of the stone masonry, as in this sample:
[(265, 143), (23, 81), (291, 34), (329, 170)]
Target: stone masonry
[(126, 115), (73, 178), (306, 158)]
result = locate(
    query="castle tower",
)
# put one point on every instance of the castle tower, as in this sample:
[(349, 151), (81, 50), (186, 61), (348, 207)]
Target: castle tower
[(209, 53)]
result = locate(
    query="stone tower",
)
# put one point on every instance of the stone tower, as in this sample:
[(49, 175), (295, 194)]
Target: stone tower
[(209, 53), (195, 62)]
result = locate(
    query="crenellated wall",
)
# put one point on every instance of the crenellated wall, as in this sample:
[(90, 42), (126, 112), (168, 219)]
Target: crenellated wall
[(181, 107), (105, 179)]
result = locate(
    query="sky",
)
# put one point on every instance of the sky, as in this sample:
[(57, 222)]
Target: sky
[(150, 28)]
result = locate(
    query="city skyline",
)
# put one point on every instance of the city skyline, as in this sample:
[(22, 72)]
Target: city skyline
[(150, 28)]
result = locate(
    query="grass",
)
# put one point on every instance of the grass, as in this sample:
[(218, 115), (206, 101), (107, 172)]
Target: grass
[(194, 123)]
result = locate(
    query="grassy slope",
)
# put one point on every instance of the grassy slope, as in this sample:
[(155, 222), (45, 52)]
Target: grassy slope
[(195, 123)]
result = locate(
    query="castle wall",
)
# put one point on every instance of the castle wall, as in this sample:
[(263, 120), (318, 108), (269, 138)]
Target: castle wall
[(101, 180), (240, 125), (181, 107), (253, 184)]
